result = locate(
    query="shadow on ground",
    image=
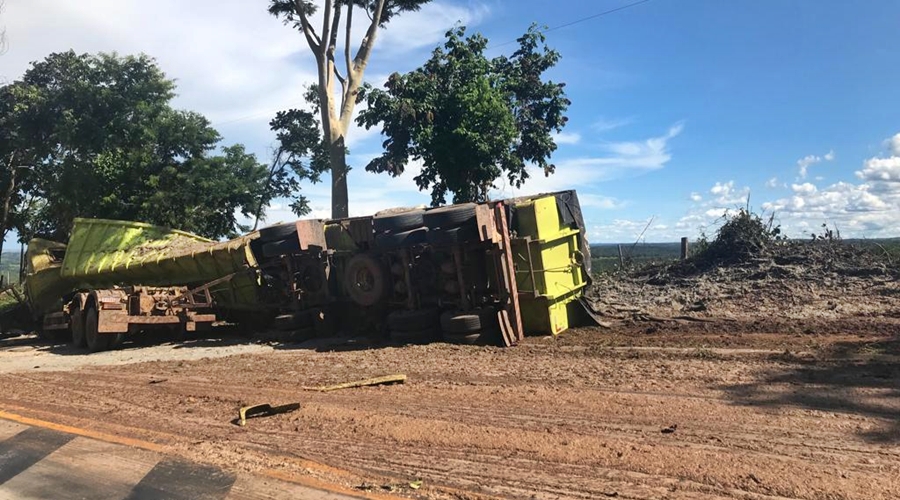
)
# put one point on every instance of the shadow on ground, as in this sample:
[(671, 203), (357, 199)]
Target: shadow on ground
[(861, 378)]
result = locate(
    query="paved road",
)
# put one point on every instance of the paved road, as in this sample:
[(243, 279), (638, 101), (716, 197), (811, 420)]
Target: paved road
[(38, 463)]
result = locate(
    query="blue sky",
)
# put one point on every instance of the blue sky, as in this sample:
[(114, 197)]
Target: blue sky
[(681, 109)]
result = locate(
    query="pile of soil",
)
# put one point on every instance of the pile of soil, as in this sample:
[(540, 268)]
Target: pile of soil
[(823, 280)]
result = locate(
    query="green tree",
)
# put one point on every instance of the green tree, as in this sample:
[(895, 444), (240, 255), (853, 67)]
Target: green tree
[(470, 119), (336, 110), (301, 154), (98, 138)]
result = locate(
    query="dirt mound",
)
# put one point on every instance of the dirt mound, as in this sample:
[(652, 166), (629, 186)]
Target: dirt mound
[(787, 279)]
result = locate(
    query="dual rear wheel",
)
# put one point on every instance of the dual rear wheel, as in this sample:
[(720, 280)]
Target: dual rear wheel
[(86, 332)]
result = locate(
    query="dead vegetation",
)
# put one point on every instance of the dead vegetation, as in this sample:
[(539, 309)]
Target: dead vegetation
[(751, 271)]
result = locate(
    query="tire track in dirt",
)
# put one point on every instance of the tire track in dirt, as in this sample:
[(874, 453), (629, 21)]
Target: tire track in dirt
[(575, 423)]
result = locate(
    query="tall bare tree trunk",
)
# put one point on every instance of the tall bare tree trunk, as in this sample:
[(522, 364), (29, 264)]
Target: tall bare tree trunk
[(337, 114), (340, 203)]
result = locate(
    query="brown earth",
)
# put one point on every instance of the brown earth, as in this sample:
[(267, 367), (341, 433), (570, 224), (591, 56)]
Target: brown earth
[(753, 412), (775, 378)]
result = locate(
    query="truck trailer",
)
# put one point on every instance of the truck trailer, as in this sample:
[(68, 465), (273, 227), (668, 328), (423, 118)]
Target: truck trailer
[(487, 272)]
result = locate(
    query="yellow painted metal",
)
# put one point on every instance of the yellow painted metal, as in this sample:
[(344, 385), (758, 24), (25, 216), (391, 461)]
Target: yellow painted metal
[(103, 253), (44, 286), (548, 262)]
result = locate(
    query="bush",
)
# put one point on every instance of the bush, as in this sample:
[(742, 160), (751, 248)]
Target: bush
[(743, 236)]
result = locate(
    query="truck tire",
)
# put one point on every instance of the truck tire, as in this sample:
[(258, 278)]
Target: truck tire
[(96, 341), (397, 223), (449, 217), (393, 241), (77, 321), (455, 322), (364, 280)]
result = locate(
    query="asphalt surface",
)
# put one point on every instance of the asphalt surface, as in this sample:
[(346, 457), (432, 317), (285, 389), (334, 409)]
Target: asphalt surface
[(39, 463)]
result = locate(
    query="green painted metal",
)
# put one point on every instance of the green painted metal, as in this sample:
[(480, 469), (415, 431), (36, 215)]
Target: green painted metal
[(103, 253), (44, 287)]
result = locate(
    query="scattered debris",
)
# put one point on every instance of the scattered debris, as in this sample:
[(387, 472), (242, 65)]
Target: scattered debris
[(416, 484), (790, 279), (263, 410), (157, 381), (670, 429), (386, 380)]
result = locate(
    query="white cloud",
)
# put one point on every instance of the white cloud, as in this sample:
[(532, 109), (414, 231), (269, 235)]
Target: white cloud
[(622, 159), (881, 169), (772, 183), (805, 188), (425, 28), (722, 189), (590, 200), (804, 163), (696, 197), (622, 231), (232, 61), (867, 209), (893, 145), (605, 125), (567, 138)]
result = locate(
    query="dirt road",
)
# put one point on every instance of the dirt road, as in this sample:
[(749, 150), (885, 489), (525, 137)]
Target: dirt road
[(645, 411)]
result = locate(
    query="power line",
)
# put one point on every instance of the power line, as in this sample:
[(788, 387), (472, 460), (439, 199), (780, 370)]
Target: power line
[(583, 19)]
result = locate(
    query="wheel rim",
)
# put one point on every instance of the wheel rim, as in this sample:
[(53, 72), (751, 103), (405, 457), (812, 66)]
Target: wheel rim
[(364, 280)]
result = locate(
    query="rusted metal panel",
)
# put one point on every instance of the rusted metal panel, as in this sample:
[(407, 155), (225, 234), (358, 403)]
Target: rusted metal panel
[(487, 224), (311, 234), (511, 322)]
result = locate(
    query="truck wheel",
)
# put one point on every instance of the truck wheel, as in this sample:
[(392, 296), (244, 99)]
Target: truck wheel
[(454, 322), (96, 341), (78, 339), (398, 222), (393, 241), (364, 280), (448, 217)]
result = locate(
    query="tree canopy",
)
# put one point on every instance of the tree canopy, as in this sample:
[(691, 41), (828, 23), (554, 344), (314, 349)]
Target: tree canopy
[(336, 111), (470, 119), (96, 136)]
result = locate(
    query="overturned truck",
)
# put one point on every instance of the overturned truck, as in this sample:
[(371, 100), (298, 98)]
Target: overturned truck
[(489, 273)]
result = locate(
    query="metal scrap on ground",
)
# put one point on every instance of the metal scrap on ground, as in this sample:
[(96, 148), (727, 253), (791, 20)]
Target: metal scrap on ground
[(264, 410), (387, 379)]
